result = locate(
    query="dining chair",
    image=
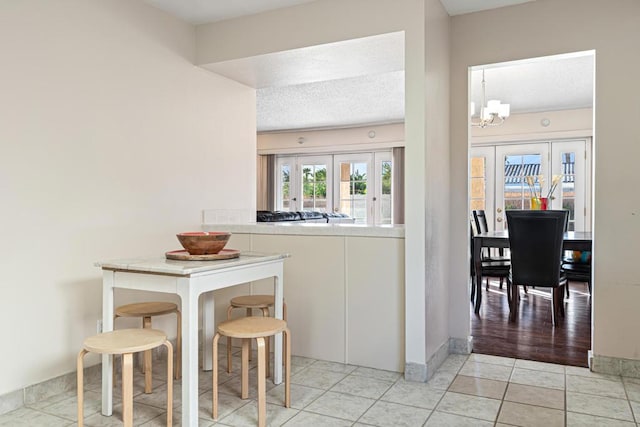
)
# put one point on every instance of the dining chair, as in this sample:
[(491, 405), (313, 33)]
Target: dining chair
[(577, 271), (480, 220), (489, 268), (535, 241)]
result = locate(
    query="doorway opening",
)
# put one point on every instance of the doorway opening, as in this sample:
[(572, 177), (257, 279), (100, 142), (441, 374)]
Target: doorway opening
[(546, 136)]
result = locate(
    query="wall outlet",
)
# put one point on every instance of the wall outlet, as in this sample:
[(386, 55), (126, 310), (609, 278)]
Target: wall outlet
[(99, 326)]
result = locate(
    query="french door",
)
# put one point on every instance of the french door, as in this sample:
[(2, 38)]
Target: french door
[(354, 186), (303, 183), (572, 159), (498, 179), (359, 185)]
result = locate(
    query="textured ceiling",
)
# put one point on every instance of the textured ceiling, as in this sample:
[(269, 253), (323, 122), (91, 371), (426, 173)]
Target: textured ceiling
[(377, 98), (332, 61), (361, 81), (559, 82), (348, 83)]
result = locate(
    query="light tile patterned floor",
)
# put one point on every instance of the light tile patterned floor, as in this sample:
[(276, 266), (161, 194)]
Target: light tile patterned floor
[(476, 390)]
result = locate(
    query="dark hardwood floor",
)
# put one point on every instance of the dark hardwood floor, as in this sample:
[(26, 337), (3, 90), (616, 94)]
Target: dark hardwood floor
[(533, 336)]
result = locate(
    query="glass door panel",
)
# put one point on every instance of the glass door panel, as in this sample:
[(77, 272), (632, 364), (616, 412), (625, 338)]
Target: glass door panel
[(517, 163), (314, 188), (314, 192), (383, 201), (352, 181), (569, 158), (285, 188), (482, 181)]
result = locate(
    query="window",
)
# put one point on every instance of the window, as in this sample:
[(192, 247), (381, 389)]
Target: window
[(511, 163), (314, 187), (352, 178), (383, 199), (358, 185), (284, 167)]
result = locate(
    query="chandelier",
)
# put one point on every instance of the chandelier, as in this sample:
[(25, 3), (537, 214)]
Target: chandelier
[(492, 113)]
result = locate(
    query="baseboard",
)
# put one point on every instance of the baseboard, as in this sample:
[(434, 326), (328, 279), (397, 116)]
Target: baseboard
[(415, 372), (422, 373), (11, 401), (461, 345), (61, 384), (45, 389), (614, 365)]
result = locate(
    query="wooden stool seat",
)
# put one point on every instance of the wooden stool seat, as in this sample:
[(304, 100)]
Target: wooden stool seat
[(142, 309), (251, 302), (126, 342), (257, 328), (252, 327), (146, 310)]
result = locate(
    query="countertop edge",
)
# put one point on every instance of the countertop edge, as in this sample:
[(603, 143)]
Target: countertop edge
[(311, 229)]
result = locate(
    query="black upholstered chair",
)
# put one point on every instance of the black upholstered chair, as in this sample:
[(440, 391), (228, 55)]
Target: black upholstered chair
[(535, 241), (480, 219), (490, 268), (576, 271)]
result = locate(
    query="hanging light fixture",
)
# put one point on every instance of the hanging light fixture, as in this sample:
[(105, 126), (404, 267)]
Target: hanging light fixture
[(492, 113)]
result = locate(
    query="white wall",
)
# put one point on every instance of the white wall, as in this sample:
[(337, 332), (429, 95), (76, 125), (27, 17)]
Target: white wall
[(335, 20), (111, 141), (332, 140), (437, 35), (547, 27), (527, 127)]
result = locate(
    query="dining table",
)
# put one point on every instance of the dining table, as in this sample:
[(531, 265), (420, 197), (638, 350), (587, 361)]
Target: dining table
[(572, 241), (189, 280)]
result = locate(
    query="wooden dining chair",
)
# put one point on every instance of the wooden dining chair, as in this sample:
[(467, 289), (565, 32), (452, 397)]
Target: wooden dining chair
[(536, 241), (480, 220), (488, 268)]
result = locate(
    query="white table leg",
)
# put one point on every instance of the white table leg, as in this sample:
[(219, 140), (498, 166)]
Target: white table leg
[(189, 353), (208, 329), (278, 292), (107, 325)]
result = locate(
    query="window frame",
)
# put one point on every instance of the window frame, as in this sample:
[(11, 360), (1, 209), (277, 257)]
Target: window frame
[(374, 160)]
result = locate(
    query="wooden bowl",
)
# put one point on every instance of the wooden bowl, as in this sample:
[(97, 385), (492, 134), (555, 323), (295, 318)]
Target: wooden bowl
[(203, 242)]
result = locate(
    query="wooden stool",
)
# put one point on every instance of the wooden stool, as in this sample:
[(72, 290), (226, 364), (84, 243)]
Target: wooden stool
[(251, 302), (126, 342), (146, 310), (247, 328)]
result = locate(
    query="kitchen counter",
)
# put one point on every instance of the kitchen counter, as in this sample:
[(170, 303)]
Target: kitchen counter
[(343, 281), (310, 229)]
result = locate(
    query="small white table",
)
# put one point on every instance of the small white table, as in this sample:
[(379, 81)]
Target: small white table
[(188, 279)]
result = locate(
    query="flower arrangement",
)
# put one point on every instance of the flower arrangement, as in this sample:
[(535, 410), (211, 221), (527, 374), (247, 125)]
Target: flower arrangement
[(554, 183), (536, 183), (532, 181)]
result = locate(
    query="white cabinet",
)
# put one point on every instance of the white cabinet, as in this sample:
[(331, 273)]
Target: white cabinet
[(344, 295), (375, 302)]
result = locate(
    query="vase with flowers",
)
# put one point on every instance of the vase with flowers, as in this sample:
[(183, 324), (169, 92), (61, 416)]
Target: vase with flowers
[(536, 183)]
